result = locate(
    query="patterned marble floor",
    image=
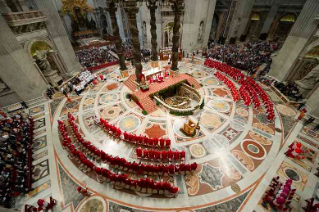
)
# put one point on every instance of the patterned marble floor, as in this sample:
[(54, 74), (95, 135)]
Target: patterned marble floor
[(237, 150)]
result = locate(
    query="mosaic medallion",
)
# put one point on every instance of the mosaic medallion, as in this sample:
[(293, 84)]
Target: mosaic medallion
[(197, 150), (285, 110), (211, 176), (264, 128), (211, 120), (129, 123), (88, 101), (211, 81), (253, 149), (192, 183), (219, 105), (292, 174), (242, 112), (93, 205), (108, 98), (111, 112), (244, 159), (261, 139), (235, 187), (199, 74)]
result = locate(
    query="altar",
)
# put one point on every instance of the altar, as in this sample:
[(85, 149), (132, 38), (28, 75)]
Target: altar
[(151, 72)]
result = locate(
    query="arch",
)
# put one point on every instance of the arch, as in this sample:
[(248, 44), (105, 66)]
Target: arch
[(167, 32), (285, 23), (254, 26), (255, 16), (288, 17)]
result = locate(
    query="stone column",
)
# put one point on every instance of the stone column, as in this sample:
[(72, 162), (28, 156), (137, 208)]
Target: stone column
[(240, 18), (153, 8), (17, 70), (59, 35), (132, 10), (23, 5), (119, 48), (313, 102), (178, 9), (302, 31), (4, 7), (271, 15)]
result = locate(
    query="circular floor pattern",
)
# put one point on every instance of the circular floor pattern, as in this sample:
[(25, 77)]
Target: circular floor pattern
[(285, 110), (219, 105), (211, 81), (253, 149), (242, 112), (129, 123), (197, 150), (108, 98), (292, 174), (219, 154)]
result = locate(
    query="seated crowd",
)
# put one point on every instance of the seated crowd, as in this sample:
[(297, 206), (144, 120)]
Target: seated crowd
[(250, 91), (96, 56), (289, 89), (247, 57), (85, 153), (15, 157)]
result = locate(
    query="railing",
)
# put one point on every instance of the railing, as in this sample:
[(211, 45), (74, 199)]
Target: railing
[(173, 109), (22, 18)]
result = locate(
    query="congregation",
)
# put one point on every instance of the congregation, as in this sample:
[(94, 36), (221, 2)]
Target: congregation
[(15, 156), (96, 56), (246, 57)]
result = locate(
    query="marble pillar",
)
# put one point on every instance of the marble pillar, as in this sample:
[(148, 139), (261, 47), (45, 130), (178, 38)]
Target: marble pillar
[(240, 18), (178, 9), (4, 7), (59, 36), (271, 16), (303, 29), (132, 10), (119, 48), (17, 69), (313, 102), (152, 9), (197, 12)]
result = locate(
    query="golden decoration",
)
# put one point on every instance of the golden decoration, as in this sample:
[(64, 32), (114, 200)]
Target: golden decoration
[(71, 5)]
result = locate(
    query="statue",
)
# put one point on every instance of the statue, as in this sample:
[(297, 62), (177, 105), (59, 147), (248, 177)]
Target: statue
[(42, 61), (170, 37), (311, 79), (201, 31)]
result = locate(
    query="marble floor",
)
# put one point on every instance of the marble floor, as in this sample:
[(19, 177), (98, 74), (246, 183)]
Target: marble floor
[(237, 149)]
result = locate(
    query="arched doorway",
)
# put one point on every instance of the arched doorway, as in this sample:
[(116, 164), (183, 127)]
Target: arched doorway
[(168, 34), (214, 27), (285, 24), (254, 25)]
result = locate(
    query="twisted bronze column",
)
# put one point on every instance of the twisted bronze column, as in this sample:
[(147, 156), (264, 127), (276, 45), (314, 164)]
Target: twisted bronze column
[(153, 8), (118, 42), (178, 9), (132, 10)]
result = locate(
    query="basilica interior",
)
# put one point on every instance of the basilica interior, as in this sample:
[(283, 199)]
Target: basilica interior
[(159, 105)]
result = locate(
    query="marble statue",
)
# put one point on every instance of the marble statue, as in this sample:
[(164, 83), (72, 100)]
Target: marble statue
[(170, 37), (311, 79), (42, 61), (201, 31)]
